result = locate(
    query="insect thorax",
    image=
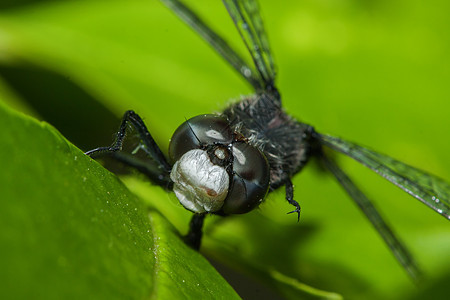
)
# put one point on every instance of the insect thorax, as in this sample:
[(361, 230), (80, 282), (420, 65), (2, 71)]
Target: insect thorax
[(282, 139)]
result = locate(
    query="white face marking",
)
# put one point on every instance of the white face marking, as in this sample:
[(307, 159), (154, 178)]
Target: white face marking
[(239, 156), (219, 153), (199, 185), (215, 135)]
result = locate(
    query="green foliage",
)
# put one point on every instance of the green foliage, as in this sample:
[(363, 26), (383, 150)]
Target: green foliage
[(372, 72), (71, 229)]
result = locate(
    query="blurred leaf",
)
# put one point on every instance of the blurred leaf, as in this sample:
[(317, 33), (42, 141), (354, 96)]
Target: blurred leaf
[(70, 229), (13, 100), (309, 291)]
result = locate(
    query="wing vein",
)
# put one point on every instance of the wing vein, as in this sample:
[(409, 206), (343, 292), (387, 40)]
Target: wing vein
[(429, 189), (400, 252), (216, 41)]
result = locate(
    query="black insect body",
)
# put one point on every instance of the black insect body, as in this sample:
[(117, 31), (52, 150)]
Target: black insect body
[(226, 164), (285, 142)]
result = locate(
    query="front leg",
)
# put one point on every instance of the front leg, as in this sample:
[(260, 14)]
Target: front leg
[(194, 236), (150, 145), (290, 198), (159, 172)]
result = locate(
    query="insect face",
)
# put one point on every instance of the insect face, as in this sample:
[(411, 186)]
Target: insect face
[(214, 171)]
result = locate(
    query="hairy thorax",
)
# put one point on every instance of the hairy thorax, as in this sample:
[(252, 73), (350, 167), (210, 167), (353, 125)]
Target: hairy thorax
[(282, 139)]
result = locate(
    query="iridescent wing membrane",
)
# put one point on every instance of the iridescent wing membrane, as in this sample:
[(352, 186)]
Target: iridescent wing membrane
[(429, 189), (248, 21)]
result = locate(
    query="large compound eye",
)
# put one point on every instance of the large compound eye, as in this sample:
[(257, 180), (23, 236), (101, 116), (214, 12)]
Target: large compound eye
[(250, 182), (198, 131), (199, 152)]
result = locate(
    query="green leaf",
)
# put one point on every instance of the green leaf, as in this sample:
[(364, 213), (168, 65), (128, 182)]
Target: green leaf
[(72, 230), (375, 73)]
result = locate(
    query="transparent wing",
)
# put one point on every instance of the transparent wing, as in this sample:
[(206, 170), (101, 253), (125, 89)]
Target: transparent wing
[(247, 18), (217, 42), (429, 189), (395, 245)]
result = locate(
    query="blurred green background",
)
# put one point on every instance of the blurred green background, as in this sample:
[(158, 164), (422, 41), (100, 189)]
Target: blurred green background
[(373, 72)]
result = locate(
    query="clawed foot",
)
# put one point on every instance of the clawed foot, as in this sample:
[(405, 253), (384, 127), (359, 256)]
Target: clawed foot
[(297, 210)]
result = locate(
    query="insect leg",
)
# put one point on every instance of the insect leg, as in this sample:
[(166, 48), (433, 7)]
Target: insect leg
[(160, 174), (400, 252), (150, 145), (194, 236), (290, 198)]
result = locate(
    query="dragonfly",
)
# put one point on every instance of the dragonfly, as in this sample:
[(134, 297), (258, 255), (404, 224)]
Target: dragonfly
[(227, 163)]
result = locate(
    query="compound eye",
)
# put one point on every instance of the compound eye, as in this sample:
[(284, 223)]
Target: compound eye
[(250, 182), (199, 131)]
